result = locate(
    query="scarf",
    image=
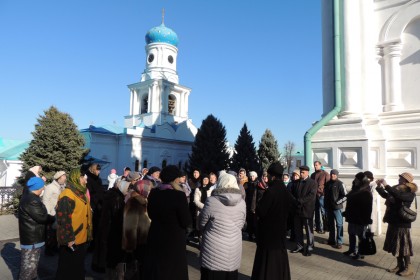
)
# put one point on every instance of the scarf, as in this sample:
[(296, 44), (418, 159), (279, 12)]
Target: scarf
[(74, 180), (203, 191)]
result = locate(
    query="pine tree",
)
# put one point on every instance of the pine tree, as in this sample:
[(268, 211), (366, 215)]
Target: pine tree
[(245, 153), (209, 151), (56, 144), (268, 150)]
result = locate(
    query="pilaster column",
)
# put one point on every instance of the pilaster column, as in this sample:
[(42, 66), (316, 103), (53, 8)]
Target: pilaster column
[(392, 76), (352, 59)]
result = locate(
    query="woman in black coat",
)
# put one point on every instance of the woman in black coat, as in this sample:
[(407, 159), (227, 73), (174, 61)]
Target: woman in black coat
[(271, 259), (166, 246)]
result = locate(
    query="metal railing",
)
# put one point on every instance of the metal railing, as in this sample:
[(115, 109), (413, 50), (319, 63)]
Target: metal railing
[(6, 196)]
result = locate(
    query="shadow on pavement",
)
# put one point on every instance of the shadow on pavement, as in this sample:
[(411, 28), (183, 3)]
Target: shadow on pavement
[(11, 257)]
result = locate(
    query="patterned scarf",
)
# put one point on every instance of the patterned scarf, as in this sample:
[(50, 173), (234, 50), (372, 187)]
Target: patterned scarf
[(74, 180)]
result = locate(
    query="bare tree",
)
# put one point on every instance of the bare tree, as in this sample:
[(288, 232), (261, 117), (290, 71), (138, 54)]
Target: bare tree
[(289, 148)]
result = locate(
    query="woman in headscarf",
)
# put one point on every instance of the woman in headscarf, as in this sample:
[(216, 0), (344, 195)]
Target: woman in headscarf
[(221, 222), (74, 227), (398, 237), (136, 227), (166, 247)]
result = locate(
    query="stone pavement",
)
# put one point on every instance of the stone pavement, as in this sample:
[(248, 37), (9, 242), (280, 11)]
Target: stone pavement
[(325, 263)]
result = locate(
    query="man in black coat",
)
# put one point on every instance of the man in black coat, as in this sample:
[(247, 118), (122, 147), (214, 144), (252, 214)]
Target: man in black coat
[(271, 260), (305, 195)]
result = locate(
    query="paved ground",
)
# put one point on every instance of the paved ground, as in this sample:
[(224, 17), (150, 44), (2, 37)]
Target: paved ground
[(325, 263)]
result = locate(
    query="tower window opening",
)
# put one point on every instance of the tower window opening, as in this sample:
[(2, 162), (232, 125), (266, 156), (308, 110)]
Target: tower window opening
[(171, 105)]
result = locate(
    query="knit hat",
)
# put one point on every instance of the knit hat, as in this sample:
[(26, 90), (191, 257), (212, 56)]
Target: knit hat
[(407, 176), (334, 171), (253, 173), (152, 170), (226, 180), (169, 173), (276, 169), (113, 171), (133, 176), (58, 174), (35, 183)]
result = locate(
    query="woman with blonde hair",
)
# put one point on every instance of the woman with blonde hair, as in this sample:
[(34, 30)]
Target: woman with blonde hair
[(398, 237)]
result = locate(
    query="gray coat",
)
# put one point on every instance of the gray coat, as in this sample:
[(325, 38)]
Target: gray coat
[(221, 222)]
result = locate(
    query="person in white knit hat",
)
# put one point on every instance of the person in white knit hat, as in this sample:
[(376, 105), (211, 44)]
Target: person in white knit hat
[(221, 222)]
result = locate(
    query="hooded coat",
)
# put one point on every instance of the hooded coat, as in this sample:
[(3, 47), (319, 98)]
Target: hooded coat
[(221, 222)]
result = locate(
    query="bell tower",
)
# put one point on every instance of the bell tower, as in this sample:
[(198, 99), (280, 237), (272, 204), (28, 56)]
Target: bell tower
[(159, 98)]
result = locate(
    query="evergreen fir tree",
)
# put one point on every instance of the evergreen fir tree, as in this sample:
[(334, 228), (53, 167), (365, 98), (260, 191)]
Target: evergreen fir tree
[(245, 153), (209, 151), (56, 145), (268, 150)]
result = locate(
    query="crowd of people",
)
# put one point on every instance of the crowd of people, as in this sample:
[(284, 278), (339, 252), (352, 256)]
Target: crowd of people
[(137, 225)]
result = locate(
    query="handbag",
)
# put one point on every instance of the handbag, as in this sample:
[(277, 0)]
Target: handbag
[(406, 214), (367, 245)]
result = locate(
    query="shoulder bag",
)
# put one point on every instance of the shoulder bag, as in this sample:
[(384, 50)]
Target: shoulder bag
[(406, 214)]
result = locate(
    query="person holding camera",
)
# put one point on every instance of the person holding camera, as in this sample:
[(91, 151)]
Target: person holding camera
[(398, 237)]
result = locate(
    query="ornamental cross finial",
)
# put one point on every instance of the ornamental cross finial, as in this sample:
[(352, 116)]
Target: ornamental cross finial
[(163, 15)]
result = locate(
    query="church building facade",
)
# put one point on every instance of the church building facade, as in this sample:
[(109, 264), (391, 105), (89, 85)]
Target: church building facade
[(371, 104), (157, 130)]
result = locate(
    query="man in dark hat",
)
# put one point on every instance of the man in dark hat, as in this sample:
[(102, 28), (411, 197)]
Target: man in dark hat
[(272, 212), (304, 194)]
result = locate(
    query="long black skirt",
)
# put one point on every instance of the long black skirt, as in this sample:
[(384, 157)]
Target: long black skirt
[(271, 264), (207, 274), (71, 264)]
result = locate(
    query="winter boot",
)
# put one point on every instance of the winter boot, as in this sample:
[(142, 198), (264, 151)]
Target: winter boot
[(399, 267), (408, 271)]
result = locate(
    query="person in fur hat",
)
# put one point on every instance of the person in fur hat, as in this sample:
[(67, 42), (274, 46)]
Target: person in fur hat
[(398, 237), (167, 206)]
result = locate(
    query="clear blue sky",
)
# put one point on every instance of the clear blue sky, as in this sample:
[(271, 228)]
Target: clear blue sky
[(257, 62)]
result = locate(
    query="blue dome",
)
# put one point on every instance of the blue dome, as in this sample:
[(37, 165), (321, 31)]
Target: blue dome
[(162, 34)]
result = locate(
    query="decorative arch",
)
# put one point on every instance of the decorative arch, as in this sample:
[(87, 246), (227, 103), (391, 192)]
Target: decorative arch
[(397, 23)]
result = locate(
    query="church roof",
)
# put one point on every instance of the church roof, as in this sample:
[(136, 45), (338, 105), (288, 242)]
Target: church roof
[(162, 34), (105, 129), (11, 149)]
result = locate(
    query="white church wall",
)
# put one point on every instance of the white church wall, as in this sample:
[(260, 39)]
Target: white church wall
[(410, 65)]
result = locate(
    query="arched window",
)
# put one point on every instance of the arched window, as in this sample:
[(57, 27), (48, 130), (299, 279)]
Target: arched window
[(164, 163), (171, 105), (144, 104), (137, 165), (145, 163)]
